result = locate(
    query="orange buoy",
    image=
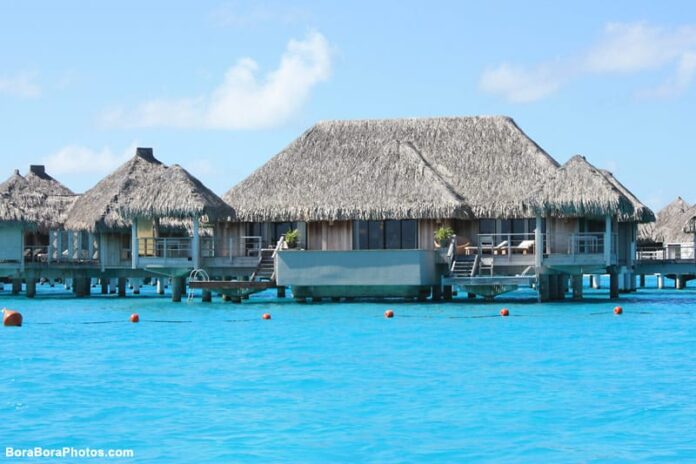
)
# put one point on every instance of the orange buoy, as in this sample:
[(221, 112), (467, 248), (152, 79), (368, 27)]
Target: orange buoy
[(618, 310), (11, 318), (266, 316), (388, 313), (135, 317), (504, 312)]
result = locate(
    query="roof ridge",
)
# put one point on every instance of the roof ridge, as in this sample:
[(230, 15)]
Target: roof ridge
[(438, 177)]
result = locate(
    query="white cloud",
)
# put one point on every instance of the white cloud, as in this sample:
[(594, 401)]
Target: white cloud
[(243, 100), (677, 84), (622, 49), (627, 48), (22, 85), (76, 159), (520, 85)]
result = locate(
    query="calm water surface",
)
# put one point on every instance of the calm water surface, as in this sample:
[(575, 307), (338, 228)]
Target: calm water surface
[(453, 382)]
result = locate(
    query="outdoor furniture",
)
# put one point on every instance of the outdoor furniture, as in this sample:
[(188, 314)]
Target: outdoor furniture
[(525, 247), (501, 248)]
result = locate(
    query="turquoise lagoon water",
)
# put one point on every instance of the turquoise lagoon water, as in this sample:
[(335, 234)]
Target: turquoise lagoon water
[(454, 382)]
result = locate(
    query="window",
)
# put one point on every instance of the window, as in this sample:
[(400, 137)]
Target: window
[(409, 235), (360, 236), (281, 228), (487, 226), (390, 234), (392, 230), (376, 237), (253, 229)]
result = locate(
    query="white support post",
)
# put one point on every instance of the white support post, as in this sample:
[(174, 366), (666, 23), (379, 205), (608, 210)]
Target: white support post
[(49, 252), (196, 244), (21, 254), (134, 244), (607, 240), (538, 244), (102, 255), (59, 246), (71, 246)]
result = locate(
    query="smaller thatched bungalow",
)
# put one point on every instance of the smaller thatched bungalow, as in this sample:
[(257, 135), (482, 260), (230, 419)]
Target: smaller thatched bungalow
[(33, 209), (140, 210), (672, 235)]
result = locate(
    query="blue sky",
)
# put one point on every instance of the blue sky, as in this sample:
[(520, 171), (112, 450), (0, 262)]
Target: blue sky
[(220, 87)]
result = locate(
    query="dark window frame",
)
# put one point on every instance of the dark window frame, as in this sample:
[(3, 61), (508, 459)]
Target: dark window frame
[(375, 235)]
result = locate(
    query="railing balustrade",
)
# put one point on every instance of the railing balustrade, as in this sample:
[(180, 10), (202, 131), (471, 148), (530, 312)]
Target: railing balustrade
[(669, 252), (165, 248)]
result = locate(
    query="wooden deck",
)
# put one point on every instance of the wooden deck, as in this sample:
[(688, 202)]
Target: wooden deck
[(220, 285)]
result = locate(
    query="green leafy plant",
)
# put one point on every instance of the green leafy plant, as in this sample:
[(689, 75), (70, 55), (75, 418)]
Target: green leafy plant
[(291, 238), (443, 234)]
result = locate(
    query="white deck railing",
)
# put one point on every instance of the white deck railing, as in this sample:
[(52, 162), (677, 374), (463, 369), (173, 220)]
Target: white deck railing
[(669, 252)]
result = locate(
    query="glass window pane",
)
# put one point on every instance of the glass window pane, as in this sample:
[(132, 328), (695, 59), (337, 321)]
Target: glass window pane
[(517, 229), (505, 226), (360, 236), (487, 226), (393, 234), (376, 235), (409, 234)]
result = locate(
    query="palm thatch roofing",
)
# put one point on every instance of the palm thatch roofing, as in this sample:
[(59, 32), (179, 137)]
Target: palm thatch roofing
[(591, 192), (425, 168), (671, 224), (35, 199), (144, 187), (641, 213)]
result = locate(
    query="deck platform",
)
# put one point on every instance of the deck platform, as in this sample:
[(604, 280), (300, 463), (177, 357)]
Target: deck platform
[(221, 285)]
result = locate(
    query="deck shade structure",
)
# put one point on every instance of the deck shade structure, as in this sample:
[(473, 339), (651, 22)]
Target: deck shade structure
[(144, 187), (35, 199), (426, 168), (671, 225)]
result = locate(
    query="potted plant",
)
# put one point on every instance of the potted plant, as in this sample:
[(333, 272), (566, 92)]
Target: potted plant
[(443, 236), (291, 238)]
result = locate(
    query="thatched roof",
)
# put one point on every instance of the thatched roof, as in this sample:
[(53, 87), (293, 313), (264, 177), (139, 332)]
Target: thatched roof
[(419, 168), (641, 213), (585, 190), (144, 187), (669, 225), (36, 198)]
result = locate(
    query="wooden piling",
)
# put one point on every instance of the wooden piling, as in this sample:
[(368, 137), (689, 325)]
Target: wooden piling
[(31, 287), (613, 285), (121, 287)]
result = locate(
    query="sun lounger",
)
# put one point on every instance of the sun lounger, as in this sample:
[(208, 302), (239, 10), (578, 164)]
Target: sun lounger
[(501, 248), (525, 247)]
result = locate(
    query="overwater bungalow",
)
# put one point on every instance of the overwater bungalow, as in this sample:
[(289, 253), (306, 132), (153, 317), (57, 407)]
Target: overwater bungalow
[(32, 215), (367, 198), (666, 247), (147, 219)]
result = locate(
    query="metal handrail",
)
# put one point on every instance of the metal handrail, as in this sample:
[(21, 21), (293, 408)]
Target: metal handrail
[(279, 246), (475, 267)]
